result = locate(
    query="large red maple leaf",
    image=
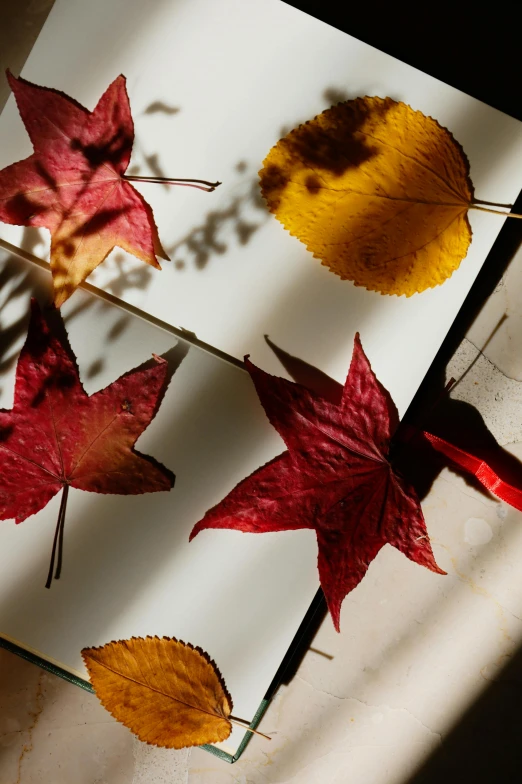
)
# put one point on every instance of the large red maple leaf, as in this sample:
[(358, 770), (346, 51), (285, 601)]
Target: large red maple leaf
[(74, 183), (336, 478), (57, 436)]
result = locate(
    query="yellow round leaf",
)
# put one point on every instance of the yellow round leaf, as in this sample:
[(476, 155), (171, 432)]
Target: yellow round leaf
[(375, 190), (166, 692)]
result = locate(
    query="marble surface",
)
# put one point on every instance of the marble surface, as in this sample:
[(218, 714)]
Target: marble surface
[(423, 683)]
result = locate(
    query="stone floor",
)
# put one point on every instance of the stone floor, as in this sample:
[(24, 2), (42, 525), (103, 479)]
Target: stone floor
[(421, 685)]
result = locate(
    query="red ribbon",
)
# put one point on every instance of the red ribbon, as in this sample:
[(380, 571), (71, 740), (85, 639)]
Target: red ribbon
[(479, 468)]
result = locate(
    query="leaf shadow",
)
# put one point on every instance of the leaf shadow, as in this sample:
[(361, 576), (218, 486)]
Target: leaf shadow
[(461, 424), (307, 375), (107, 151), (19, 280), (336, 150), (245, 212), (161, 107), (242, 216)]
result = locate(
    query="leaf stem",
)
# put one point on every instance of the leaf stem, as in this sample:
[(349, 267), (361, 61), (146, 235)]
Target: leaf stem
[(59, 558), (58, 539), (242, 723), (202, 185), (474, 206), (492, 204)]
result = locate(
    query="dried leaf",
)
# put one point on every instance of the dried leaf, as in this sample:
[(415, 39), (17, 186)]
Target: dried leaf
[(336, 478), (57, 436), (376, 191), (166, 692), (73, 184)]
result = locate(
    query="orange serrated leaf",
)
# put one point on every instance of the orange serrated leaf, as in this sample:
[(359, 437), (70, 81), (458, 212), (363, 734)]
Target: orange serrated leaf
[(165, 691), (375, 190)]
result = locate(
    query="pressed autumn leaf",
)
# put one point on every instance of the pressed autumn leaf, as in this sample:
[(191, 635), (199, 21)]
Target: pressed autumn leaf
[(74, 184), (57, 436), (336, 478), (165, 691), (377, 191)]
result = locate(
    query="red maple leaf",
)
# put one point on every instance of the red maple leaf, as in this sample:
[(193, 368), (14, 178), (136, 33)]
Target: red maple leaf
[(74, 184), (57, 436), (336, 478)]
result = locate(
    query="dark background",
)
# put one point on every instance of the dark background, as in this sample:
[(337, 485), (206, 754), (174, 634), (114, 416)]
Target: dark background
[(476, 47)]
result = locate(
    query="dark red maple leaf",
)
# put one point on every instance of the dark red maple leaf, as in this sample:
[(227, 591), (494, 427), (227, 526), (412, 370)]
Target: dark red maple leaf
[(74, 184), (336, 478), (57, 436)]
